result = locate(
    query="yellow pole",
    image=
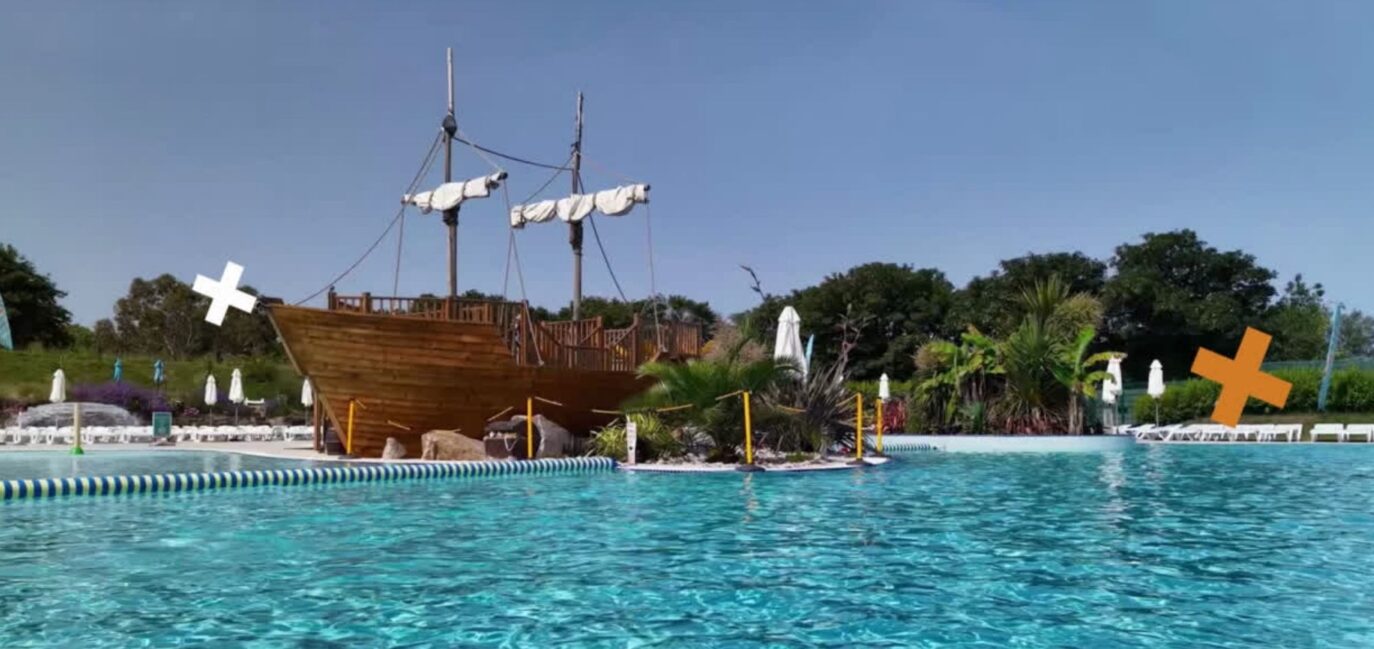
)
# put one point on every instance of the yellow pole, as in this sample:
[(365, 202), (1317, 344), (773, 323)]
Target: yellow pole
[(859, 427), (879, 426), (529, 428), (348, 447), (748, 433)]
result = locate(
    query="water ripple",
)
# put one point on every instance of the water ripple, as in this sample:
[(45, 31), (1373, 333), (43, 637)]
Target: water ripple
[(1158, 547)]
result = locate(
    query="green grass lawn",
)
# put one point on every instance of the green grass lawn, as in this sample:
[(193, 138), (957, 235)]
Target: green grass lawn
[(27, 375)]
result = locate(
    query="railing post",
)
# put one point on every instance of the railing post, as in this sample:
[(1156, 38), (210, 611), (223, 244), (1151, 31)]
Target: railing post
[(367, 302), (332, 300), (634, 336)]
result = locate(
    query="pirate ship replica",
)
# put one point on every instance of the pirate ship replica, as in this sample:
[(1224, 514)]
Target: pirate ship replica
[(402, 366)]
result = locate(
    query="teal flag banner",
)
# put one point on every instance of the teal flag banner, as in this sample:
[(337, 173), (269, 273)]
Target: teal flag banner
[(5, 340)]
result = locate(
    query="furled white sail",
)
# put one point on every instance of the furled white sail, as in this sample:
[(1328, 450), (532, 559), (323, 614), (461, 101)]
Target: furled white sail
[(611, 202), (450, 195)]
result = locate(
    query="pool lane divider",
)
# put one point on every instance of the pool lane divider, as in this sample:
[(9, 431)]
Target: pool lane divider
[(165, 483)]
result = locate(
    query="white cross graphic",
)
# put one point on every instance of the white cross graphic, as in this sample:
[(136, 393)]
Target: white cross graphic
[(224, 293)]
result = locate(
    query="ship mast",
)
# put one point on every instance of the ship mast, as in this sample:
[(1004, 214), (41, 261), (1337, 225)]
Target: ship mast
[(575, 228), (451, 214)]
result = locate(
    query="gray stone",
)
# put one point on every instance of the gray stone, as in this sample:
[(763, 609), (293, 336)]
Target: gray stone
[(394, 450), (450, 445), (554, 440)]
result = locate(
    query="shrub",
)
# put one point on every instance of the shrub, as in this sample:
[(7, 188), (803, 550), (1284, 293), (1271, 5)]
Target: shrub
[(135, 399), (1352, 390), (653, 439)]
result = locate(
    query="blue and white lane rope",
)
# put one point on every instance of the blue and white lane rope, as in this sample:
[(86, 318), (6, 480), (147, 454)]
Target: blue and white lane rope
[(124, 484)]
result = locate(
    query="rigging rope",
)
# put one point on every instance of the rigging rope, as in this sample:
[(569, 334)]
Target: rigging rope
[(478, 150), (653, 282), (510, 157), (401, 234), (604, 257), (433, 148)]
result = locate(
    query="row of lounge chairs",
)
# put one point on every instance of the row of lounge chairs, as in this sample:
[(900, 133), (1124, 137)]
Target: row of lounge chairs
[(144, 434), (1248, 433)]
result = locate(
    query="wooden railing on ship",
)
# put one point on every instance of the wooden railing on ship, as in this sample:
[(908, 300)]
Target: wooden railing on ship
[(574, 344)]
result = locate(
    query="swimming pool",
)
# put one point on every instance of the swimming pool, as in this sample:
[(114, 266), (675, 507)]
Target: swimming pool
[(1153, 547), (30, 465)]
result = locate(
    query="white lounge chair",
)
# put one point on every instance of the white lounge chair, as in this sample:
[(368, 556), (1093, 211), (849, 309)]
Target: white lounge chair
[(1336, 431), (136, 434), (1360, 430), (1145, 432), (1172, 432), (298, 433), (100, 434), (1261, 432), (1209, 433)]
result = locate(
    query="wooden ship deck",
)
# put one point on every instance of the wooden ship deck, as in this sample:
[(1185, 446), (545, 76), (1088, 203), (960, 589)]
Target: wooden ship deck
[(421, 364)]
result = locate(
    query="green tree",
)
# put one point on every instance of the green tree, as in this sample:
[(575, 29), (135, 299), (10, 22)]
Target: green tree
[(1299, 323), (1357, 334), (896, 308), (244, 334), (1076, 371), (105, 338), (993, 303), (618, 314), (31, 301), (82, 338), (1173, 293), (162, 316)]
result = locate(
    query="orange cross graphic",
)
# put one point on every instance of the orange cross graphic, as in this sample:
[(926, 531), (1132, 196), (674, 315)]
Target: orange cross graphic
[(1241, 378)]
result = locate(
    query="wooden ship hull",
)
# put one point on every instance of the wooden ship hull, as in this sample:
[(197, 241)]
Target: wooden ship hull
[(413, 365)]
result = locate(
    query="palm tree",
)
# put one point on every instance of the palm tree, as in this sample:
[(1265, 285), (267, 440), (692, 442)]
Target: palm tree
[(699, 384), (1074, 370)]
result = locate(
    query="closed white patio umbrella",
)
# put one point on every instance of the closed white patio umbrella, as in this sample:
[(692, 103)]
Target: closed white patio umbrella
[(211, 391), (236, 387), (788, 344), (236, 392), (59, 387), (1155, 388), (307, 394), (1111, 388), (884, 389)]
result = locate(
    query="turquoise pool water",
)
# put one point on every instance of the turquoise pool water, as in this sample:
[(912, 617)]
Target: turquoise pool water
[(28, 465), (1156, 547)]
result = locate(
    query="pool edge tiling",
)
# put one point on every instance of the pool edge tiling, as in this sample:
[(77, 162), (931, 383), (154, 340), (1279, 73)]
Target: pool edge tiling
[(160, 483)]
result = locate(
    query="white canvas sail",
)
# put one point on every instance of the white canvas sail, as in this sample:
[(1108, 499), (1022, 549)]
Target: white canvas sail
[(449, 195), (611, 202)]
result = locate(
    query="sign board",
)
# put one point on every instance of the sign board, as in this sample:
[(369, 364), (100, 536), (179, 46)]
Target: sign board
[(631, 440), (162, 425)]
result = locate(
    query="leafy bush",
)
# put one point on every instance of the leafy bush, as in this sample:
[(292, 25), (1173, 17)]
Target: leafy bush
[(807, 415), (653, 439), (1352, 390), (137, 400), (699, 384)]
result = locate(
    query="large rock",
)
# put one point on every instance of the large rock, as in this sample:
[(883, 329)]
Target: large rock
[(554, 440), (394, 450), (450, 445)]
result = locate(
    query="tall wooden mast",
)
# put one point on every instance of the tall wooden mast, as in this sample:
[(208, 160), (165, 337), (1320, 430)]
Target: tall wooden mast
[(575, 229), (451, 214)]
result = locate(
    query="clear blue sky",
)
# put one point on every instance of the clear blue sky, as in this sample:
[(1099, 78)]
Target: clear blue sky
[(800, 138)]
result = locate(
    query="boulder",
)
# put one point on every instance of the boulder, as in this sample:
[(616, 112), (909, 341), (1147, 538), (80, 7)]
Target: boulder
[(450, 445), (394, 449), (554, 440)]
